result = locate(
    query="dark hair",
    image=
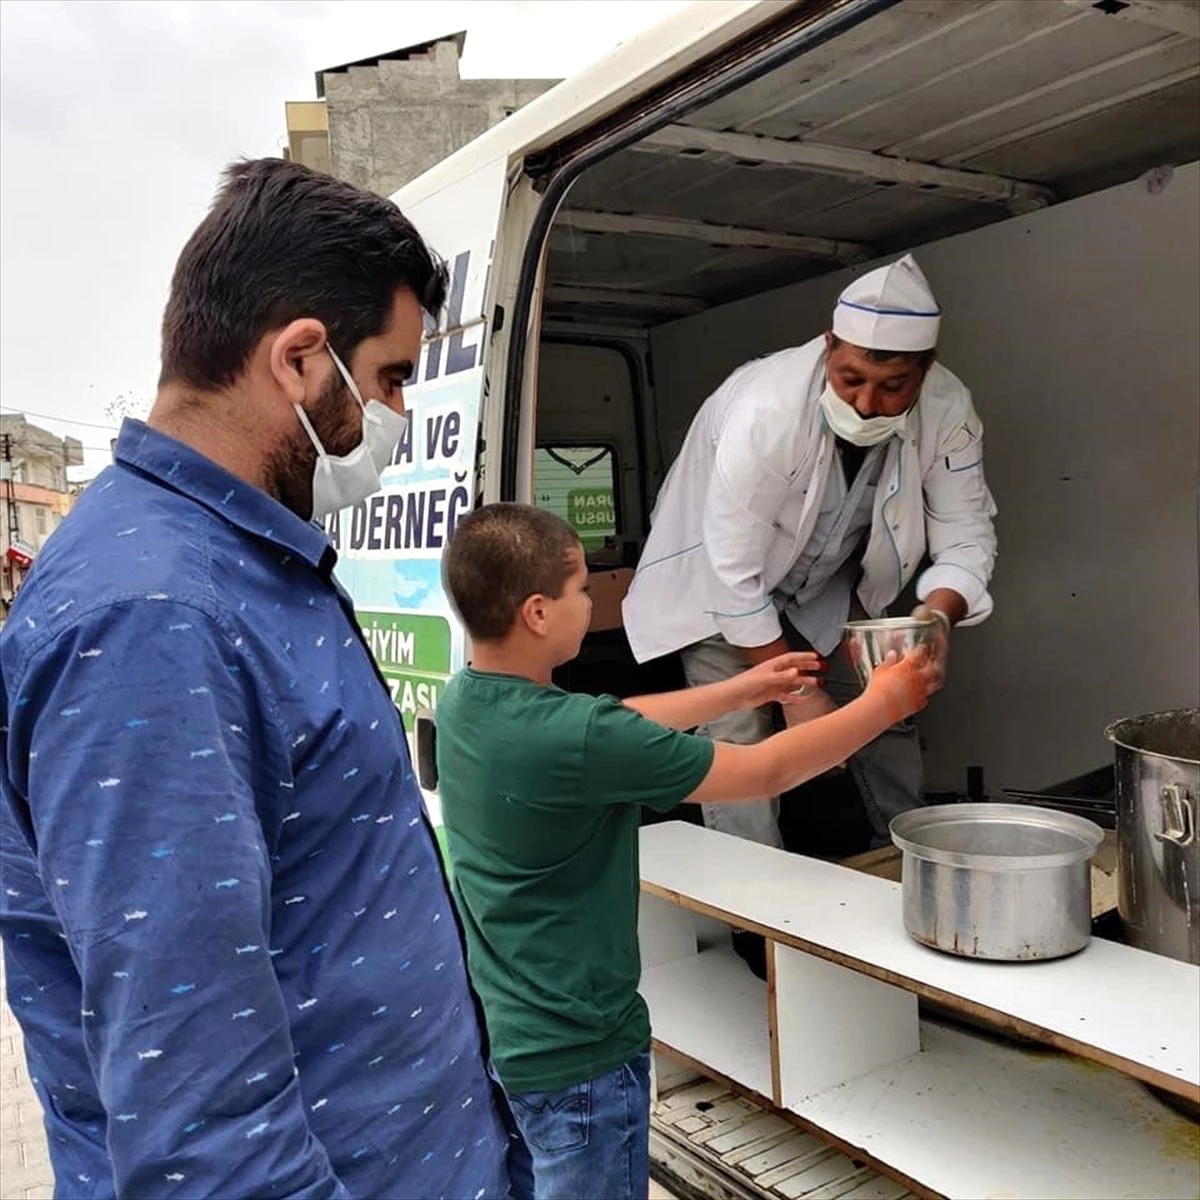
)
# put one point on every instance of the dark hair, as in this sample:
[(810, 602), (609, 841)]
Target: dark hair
[(282, 242), (923, 358), (500, 555)]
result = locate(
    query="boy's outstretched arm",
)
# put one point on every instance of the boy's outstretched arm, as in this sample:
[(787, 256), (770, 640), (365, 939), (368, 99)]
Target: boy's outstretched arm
[(774, 681), (897, 690)]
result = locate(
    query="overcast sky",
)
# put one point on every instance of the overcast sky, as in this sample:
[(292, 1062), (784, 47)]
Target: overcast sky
[(116, 119)]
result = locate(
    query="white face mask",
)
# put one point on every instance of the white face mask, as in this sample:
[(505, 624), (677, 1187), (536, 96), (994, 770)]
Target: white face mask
[(844, 420), (344, 480)]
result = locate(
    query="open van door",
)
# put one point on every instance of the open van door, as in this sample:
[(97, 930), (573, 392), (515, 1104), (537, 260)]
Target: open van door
[(390, 546)]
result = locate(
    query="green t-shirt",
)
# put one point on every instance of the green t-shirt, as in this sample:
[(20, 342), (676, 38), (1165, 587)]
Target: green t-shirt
[(541, 791)]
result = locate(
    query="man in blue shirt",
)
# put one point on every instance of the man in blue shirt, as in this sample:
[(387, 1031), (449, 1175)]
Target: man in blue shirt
[(227, 934)]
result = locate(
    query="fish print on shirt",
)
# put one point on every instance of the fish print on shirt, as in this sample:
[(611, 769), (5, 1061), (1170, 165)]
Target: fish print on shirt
[(369, 1027)]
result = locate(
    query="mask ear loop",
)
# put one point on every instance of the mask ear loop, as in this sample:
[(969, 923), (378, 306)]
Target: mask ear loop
[(346, 377), (312, 433), (367, 414), (322, 453)]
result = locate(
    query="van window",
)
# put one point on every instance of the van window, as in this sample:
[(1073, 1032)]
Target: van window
[(579, 484)]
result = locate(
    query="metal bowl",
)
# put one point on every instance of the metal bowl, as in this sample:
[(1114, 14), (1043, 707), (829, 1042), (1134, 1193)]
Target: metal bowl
[(869, 642)]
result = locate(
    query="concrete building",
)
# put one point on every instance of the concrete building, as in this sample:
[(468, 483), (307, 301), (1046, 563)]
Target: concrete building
[(34, 493), (388, 118), (308, 133)]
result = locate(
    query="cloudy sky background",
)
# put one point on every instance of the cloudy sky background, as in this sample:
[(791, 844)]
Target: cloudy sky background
[(116, 119)]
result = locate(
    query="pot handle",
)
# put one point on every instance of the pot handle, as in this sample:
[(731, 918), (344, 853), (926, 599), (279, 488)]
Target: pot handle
[(1179, 825)]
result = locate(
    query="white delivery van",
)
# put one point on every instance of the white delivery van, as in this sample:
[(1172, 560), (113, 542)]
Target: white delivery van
[(699, 198)]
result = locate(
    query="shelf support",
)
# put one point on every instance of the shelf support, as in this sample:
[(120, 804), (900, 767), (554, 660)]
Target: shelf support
[(830, 1025)]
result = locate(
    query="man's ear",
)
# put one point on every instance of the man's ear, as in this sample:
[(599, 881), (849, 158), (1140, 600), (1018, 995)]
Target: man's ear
[(292, 353), (533, 614)]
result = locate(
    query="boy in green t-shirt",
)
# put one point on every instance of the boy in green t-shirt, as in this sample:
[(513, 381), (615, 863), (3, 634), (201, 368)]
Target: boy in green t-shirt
[(541, 791)]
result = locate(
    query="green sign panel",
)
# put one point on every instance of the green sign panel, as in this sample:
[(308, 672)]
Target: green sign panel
[(591, 513), (413, 652)]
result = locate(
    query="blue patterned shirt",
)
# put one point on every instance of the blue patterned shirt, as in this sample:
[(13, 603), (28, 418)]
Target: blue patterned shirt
[(227, 933)]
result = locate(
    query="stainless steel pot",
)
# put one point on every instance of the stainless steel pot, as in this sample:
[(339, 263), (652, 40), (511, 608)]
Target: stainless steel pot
[(1158, 845), (997, 881)]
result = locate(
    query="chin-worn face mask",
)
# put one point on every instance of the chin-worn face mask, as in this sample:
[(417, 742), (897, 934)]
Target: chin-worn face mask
[(340, 481), (845, 421)]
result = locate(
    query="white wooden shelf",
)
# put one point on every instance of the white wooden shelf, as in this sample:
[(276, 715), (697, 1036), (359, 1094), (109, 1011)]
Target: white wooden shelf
[(968, 1117), (1087, 1004), (711, 1008), (834, 1037)]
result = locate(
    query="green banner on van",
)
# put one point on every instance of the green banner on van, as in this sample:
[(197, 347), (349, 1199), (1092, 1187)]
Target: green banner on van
[(592, 514), (413, 652)]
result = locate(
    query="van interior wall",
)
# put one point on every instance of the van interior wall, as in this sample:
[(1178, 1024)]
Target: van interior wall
[(1076, 328)]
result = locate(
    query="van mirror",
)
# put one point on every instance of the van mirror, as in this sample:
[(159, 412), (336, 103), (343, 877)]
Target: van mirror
[(425, 737)]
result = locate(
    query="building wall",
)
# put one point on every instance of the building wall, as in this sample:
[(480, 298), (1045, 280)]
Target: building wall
[(41, 497), (393, 120), (308, 133), (1076, 330), (39, 513)]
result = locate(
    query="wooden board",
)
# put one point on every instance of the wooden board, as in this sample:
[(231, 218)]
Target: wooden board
[(1134, 1011), (716, 1011), (713, 1089), (607, 589), (784, 1164), (973, 1117), (830, 1024)]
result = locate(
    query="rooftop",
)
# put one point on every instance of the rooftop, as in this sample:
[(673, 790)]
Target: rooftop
[(401, 55)]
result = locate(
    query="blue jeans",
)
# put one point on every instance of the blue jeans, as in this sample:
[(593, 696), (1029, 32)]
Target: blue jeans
[(590, 1141)]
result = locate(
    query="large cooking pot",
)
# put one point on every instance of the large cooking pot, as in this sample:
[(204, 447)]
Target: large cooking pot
[(997, 881), (1158, 845)]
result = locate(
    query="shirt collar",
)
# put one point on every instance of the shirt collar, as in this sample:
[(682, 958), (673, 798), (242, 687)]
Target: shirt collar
[(177, 466)]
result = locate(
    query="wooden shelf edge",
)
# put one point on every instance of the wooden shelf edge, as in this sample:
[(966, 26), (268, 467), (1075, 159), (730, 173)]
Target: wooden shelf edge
[(1003, 1022), (857, 1153), (773, 1027)]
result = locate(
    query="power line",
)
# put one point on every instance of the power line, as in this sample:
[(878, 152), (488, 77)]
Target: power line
[(26, 412), (18, 444)]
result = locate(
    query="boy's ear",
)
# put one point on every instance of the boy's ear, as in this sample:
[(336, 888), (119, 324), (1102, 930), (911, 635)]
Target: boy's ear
[(533, 614)]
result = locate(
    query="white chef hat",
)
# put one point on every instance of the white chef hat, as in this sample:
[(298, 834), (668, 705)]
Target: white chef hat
[(890, 308)]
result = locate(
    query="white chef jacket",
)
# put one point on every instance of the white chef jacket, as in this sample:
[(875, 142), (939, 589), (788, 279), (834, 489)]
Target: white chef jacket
[(815, 594), (743, 498)]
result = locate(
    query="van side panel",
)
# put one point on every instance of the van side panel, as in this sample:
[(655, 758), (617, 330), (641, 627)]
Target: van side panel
[(390, 546)]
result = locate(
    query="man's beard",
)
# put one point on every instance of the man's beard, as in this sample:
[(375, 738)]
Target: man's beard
[(337, 420)]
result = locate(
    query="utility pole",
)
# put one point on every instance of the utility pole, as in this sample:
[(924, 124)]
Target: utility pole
[(10, 510), (10, 497)]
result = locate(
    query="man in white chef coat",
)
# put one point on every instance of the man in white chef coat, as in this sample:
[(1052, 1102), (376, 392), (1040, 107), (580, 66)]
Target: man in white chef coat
[(812, 485)]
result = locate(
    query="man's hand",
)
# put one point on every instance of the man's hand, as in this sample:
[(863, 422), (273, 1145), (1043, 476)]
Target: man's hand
[(940, 649), (756, 655), (785, 679)]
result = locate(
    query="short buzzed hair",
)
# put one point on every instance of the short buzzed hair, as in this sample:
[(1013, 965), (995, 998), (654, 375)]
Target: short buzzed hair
[(500, 555)]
